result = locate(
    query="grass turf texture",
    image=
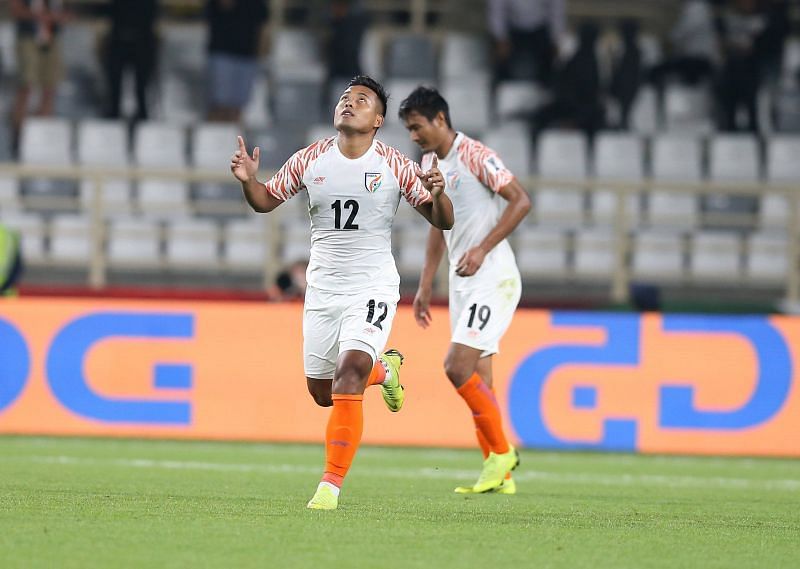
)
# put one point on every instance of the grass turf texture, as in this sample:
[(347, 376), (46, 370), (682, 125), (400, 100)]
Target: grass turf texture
[(131, 503)]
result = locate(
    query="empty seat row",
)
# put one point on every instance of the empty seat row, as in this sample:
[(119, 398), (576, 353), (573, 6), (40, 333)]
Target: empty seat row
[(542, 253)]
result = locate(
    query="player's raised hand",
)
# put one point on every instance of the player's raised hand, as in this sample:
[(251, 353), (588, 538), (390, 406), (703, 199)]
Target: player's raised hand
[(243, 166), (433, 180), (422, 308)]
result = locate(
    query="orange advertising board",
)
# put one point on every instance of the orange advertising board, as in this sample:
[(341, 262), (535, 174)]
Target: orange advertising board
[(234, 370)]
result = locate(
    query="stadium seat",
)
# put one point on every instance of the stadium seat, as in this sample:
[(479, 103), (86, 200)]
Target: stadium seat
[(295, 54), (70, 239), (372, 53), (766, 260), (161, 146), (732, 158), (410, 242), (297, 102), (411, 56), (464, 55), (617, 157), (211, 149), (512, 142), (561, 154), (8, 52), (541, 252), (184, 47), (182, 97), (397, 136), (644, 117), (245, 244), (256, 114), (296, 241), (715, 257), (32, 229), (134, 242), (783, 167), (104, 144), (398, 90), (469, 102), (192, 243), (47, 142), (687, 109), (517, 99), (9, 185), (276, 146), (594, 253), (675, 158), (658, 255)]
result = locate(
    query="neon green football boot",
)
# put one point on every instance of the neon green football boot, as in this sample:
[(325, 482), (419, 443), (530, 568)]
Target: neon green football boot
[(324, 499), (391, 389), (507, 487), (495, 468)]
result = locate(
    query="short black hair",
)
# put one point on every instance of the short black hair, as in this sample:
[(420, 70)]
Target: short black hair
[(370, 83), (426, 101)]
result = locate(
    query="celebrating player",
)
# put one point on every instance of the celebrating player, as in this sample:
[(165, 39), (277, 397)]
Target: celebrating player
[(353, 184), (484, 280)]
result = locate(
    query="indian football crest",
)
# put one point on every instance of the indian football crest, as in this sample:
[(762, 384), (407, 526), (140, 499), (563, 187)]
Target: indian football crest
[(453, 179), (372, 181)]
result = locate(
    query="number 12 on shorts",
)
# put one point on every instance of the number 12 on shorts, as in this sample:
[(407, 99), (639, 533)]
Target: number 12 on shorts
[(483, 313), (382, 306)]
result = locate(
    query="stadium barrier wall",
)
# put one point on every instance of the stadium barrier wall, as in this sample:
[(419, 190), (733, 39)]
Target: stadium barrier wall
[(723, 385)]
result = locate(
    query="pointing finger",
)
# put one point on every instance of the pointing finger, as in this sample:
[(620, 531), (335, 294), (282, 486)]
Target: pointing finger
[(256, 153), (242, 147), (435, 163)]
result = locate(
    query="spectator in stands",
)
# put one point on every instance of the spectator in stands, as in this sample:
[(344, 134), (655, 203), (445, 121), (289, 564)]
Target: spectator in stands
[(770, 43), (695, 50), (626, 73), (740, 27), (38, 25), (526, 36), (234, 35), (348, 23), (131, 44), (290, 283), (10, 261), (578, 97)]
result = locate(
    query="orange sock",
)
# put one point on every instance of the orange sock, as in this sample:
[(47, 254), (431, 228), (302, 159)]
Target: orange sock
[(485, 413), (342, 436), (484, 444), (377, 375)]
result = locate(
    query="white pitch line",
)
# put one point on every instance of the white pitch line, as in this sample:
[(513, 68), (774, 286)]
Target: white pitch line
[(621, 479)]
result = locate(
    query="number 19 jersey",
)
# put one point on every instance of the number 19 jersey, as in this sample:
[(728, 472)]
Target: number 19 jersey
[(352, 203)]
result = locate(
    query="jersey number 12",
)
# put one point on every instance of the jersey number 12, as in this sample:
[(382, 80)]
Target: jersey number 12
[(352, 206)]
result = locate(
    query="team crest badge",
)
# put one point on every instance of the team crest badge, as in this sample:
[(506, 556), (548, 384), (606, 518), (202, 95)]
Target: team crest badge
[(372, 181)]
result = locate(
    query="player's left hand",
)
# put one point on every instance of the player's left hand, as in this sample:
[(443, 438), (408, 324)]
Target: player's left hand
[(433, 180), (470, 262)]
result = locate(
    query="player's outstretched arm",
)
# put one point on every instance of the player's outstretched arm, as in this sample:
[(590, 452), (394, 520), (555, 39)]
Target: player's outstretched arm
[(438, 211), (434, 251), (519, 204), (244, 168)]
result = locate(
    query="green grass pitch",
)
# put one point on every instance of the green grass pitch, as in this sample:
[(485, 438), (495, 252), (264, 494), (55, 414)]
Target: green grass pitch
[(132, 503)]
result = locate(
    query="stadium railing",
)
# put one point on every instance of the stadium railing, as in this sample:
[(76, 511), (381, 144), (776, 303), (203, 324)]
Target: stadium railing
[(619, 283)]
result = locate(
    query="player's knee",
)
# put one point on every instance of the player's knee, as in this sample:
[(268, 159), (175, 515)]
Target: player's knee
[(456, 372), (349, 380)]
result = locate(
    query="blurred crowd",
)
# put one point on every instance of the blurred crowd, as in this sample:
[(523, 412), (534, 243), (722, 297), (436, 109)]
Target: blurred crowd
[(732, 46)]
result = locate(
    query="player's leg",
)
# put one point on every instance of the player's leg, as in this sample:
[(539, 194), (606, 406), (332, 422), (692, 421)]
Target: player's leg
[(479, 318), (365, 326), (484, 370)]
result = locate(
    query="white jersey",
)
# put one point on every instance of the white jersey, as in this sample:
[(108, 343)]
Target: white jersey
[(474, 174), (352, 204)]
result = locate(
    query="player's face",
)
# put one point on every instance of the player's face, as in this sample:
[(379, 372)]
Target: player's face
[(427, 134), (358, 110)]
